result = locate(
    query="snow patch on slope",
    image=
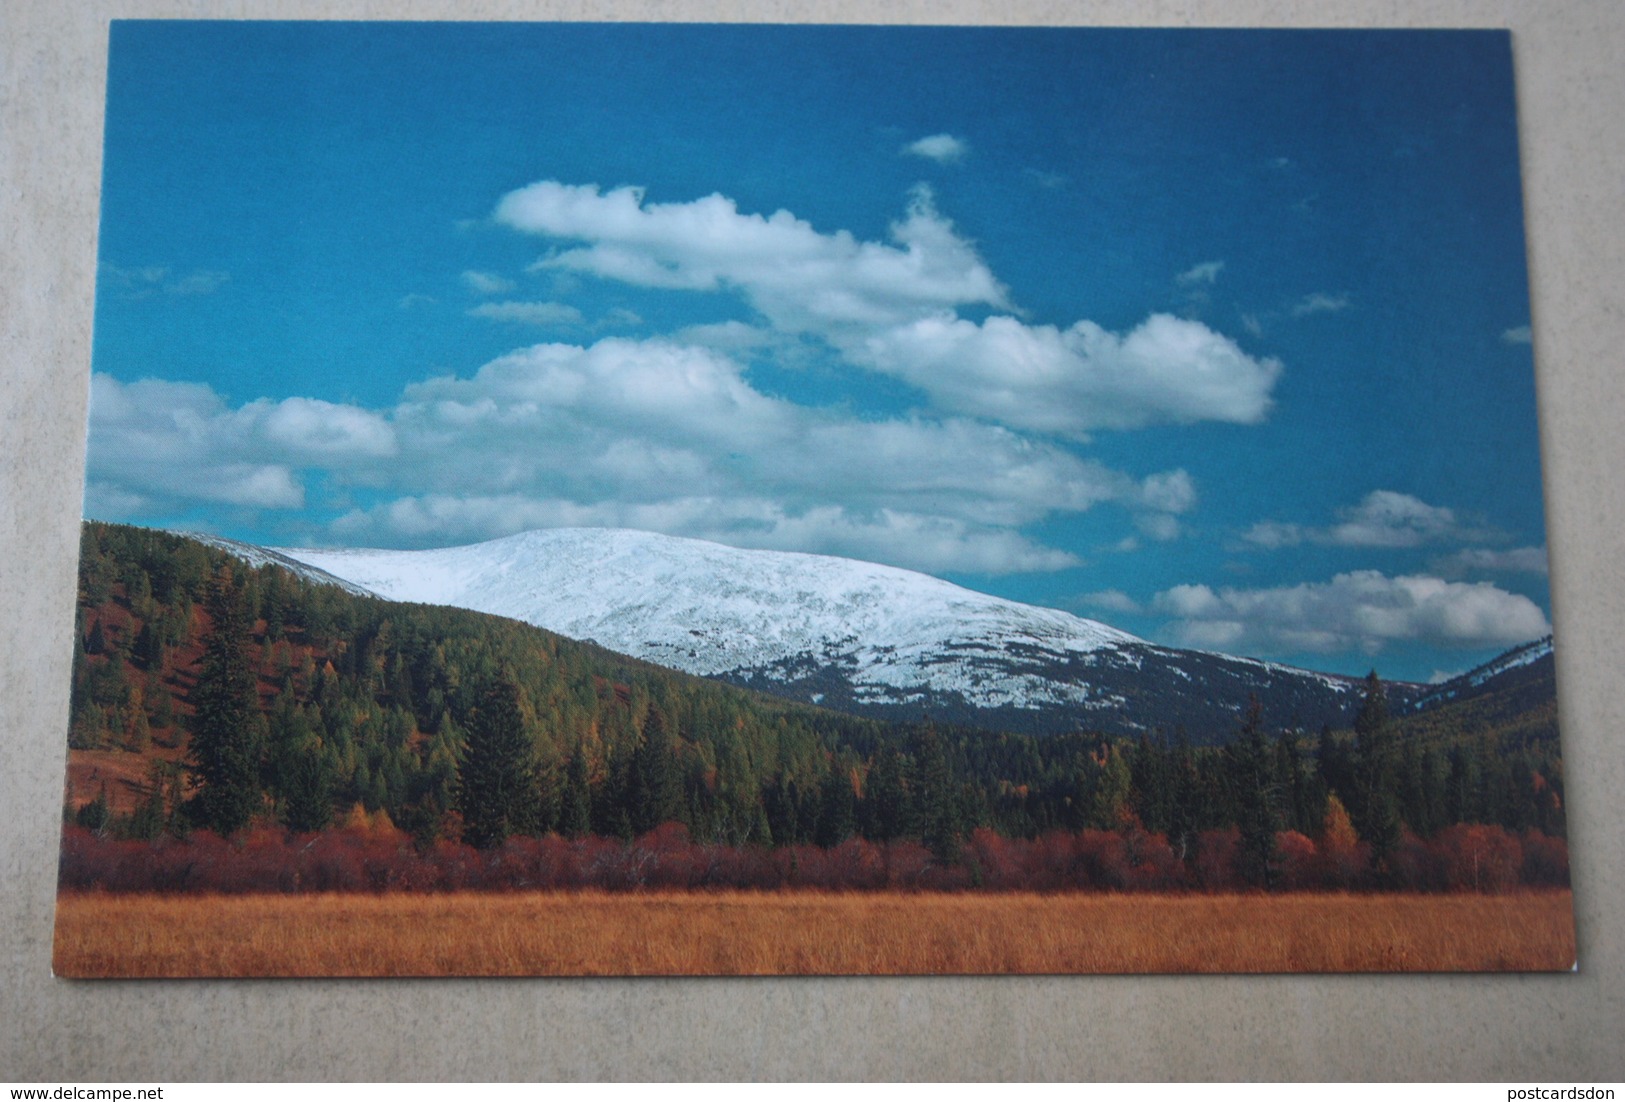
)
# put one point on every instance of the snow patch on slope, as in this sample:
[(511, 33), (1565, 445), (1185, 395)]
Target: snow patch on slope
[(713, 610)]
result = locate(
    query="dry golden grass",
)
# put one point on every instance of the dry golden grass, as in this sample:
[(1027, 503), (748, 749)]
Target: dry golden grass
[(742, 933)]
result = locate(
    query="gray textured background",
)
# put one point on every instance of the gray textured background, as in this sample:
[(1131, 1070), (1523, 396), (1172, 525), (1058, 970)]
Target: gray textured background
[(1571, 1027)]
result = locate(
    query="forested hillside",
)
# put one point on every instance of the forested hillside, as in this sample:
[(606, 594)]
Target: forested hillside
[(214, 697)]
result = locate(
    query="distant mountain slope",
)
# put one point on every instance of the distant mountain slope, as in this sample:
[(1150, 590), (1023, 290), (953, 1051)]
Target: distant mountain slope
[(864, 638), (257, 556), (1513, 696)]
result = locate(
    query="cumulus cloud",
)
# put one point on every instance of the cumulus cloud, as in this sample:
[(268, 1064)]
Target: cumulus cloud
[(895, 308), (634, 420), (528, 313), (309, 429), (945, 149), (802, 280), (1518, 334), (157, 441), (622, 432), (1320, 303), (1363, 610), (1070, 382), (154, 440), (1382, 519), (486, 283)]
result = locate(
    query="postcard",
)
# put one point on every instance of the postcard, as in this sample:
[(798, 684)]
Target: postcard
[(624, 499)]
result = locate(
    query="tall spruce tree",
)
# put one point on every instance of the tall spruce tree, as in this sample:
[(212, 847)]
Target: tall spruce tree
[(1376, 812), (655, 787), (225, 752), (1257, 797), (497, 788)]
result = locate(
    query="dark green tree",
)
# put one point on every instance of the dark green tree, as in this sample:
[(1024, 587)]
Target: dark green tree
[(497, 787), (575, 805), (938, 819), (837, 806), (224, 757), (655, 786), (1257, 796), (1376, 766), (887, 809)]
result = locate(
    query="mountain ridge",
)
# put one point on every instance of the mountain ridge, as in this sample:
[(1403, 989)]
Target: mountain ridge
[(860, 637)]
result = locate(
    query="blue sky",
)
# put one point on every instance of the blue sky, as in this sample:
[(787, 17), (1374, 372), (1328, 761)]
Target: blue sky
[(1219, 336)]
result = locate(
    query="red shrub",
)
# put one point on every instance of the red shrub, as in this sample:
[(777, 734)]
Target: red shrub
[(1477, 857), (1299, 861), (1215, 862), (1545, 860)]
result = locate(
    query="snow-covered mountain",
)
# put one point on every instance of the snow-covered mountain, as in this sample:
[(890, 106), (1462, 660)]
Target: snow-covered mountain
[(712, 610), (851, 635)]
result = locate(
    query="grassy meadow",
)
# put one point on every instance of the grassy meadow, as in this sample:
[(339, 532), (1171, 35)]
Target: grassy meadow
[(805, 933)]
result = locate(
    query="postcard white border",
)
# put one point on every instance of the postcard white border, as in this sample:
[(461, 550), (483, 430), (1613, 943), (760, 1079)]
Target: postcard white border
[(1509, 1028)]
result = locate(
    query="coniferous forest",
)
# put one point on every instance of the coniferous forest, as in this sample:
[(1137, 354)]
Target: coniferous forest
[(243, 729)]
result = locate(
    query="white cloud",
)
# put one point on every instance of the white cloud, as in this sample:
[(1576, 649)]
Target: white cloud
[(408, 301), (1481, 560), (1320, 303), (1272, 534), (1070, 382), (1204, 273), (178, 442), (928, 543), (314, 430), (528, 313), (486, 283), (1111, 600), (1389, 519), (728, 336), (641, 420), (802, 280), (1363, 610), (945, 149), (1158, 526), (1518, 334), (1169, 492), (1382, 519), (648, 434), (894, 308)]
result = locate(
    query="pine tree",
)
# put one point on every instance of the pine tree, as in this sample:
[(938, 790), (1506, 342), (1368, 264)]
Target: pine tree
[(1376, 815), (575, 808), (655, 792), (939, 823), (1257, 796), (498, 782), (887, 809), (837, 806), (224, 756)]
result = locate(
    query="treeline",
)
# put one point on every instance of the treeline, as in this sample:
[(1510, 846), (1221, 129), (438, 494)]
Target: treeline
[(257, 699), (374, 857)]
